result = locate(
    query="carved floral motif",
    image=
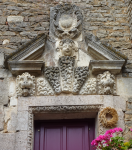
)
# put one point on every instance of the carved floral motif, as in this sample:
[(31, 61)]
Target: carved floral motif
[(43, 87), (66, 21), (106, 83), (53, 76), (25, 84), (90, 87), (80, 75)]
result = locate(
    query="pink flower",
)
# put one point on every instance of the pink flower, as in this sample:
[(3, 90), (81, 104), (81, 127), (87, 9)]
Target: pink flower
[(130, 129)]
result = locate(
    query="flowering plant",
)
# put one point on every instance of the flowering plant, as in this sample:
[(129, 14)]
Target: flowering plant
[(111, 139)]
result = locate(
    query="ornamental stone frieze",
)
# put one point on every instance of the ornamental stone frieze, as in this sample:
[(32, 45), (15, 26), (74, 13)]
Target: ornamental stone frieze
[(25, 84)]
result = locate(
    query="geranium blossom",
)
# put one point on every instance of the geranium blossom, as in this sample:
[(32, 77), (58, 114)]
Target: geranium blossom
[(103, 140), (130, 129)]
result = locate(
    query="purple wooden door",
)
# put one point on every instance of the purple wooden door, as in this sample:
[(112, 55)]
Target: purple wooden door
[(64, 134)]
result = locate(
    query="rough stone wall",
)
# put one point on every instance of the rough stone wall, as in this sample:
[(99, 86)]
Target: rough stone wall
[(104, 18), (130, 16)]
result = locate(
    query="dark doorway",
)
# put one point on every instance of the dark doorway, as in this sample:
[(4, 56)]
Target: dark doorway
[(64, 134)]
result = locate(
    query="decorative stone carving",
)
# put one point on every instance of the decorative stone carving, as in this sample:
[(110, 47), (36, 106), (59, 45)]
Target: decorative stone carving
[(66, 21), (53, 76), (66, 64), (25, 84), (67, 47), (106, 83), (89, 88), (43, 87), (80, 75)]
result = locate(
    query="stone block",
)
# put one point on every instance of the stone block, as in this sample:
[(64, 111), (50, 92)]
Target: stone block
[(119, 103), (4, 73), (8, 33), (129, 112), (124, 86), (3, 92), (2, 20), (25, 102), (7, 141), (12, 87), (1, 117), (129, 106), (108, 101), (13, 101), (22, 120), (15, 19), (128, 123), (21, 140), (1, 59), (120, 122)]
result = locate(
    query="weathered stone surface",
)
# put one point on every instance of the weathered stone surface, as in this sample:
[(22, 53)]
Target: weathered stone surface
[(124, 86), (2, 20), (3, 91), (12, 87), (22, 120), (5, 73), (24, 102), (108, 100), (1, 59), (130, 99), (129, 106), (7, 141), (9, 33), (128, 123), (21, 140), (120, 122), (1, 117), (15, 19), (129, 112), (11, 125), (5, 41), (119, 102), (13, 101)]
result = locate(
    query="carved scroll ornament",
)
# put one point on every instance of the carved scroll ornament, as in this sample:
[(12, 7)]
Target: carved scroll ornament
[(25, 84)]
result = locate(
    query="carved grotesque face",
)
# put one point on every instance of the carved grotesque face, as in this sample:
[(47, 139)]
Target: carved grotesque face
[(67, 47)]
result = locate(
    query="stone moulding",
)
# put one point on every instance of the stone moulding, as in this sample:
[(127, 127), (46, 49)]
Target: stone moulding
[(31, 66), (45, 109), (99, 66)]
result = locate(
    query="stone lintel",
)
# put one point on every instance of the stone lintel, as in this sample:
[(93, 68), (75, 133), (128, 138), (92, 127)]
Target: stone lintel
[(99, 66), (31, 66)]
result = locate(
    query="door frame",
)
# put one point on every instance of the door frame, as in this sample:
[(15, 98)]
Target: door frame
[(59, 109)]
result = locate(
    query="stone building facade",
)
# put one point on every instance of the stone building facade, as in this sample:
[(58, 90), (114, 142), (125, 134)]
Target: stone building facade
[(64, 60)]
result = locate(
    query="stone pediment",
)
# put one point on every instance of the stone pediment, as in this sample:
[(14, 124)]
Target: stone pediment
[(68, 61)]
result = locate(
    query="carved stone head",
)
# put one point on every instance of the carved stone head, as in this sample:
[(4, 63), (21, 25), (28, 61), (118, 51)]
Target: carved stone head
[(106, 83), (66, 21), (25, 84), (67, 47)]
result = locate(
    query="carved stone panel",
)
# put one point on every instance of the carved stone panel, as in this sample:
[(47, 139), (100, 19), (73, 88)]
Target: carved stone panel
[(90, 87), (106, 83), (43, 87), (80, 75), (25, 84), (53, 76), (66, 21), (66, 64)]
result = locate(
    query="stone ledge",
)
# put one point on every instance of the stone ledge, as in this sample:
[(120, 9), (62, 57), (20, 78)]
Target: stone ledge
[(99, 66)]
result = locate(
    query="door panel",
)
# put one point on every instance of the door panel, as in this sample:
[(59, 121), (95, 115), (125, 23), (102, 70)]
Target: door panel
[(64, 134)]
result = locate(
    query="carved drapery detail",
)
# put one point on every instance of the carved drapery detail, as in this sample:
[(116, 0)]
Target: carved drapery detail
[(66, 21), (43, 87), (106, 83), (25, 84)]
